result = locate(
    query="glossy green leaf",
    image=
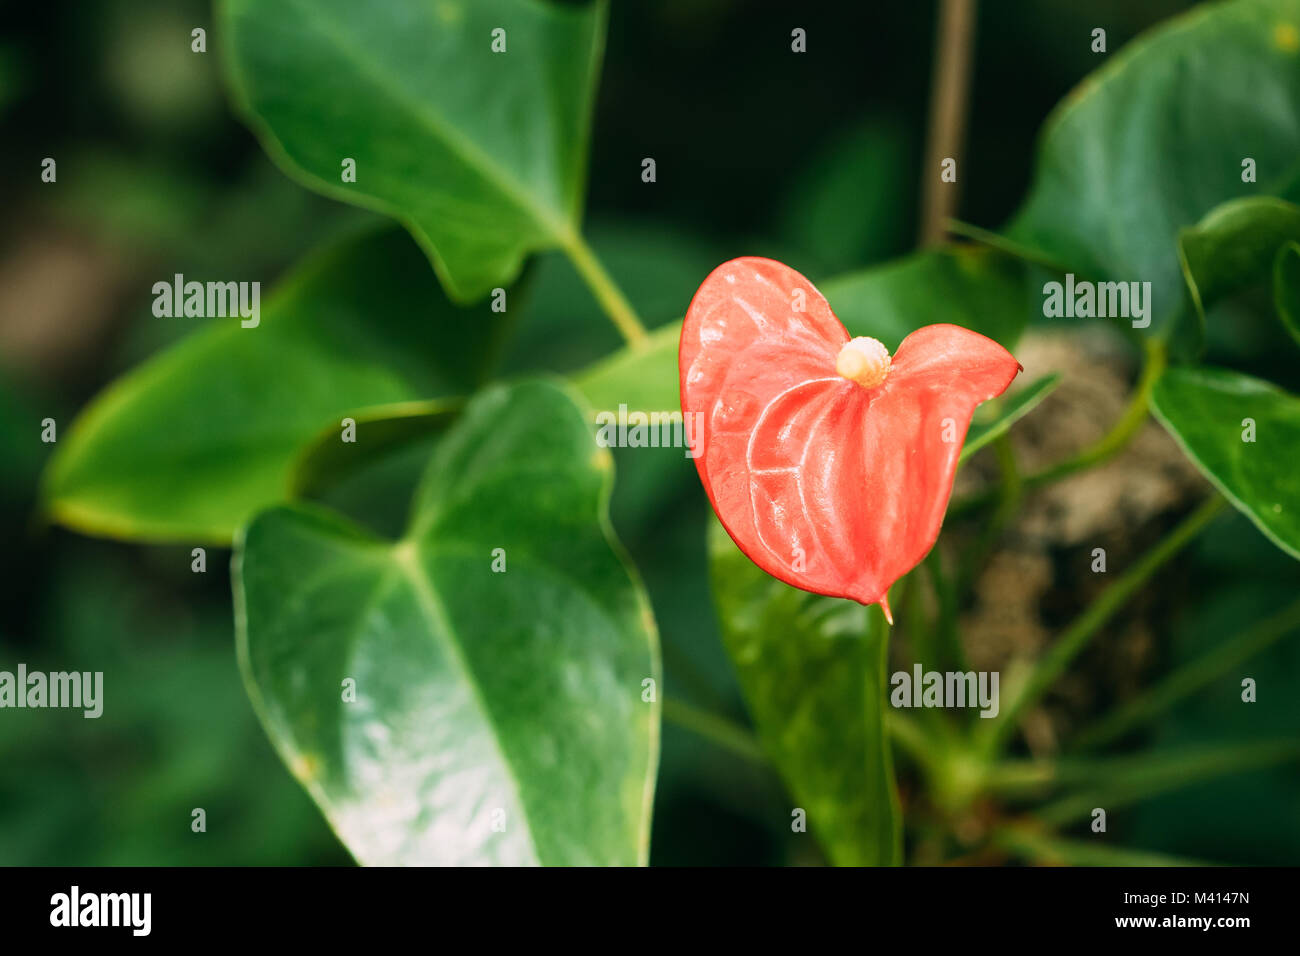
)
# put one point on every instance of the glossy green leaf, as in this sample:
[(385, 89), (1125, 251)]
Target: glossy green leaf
[(993, 419), (481, 154), (1286, 287), (1234, 247), (1235, 244), (499, 716), (1156, 138), (190, 444), (813, 672), (1212, 413)]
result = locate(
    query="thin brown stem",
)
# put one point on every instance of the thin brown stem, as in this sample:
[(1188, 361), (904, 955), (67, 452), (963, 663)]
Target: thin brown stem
[(949, 96)]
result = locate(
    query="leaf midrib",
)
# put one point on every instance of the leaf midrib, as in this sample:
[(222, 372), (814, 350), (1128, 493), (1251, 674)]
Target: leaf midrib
[(405, 557)]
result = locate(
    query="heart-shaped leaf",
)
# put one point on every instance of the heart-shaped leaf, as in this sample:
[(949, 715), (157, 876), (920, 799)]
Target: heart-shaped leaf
[(468, 120), (497, 655), (1240, 431), (193, 442), (835, 485), (1235, 244), (813, 673), (1206, 91)]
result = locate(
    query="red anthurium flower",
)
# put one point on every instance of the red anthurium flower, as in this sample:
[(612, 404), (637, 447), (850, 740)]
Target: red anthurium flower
[(829, 463)]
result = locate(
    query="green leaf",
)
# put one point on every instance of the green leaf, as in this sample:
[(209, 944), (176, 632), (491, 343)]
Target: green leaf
[(1286, 287), (1156, 138), (481, 154), (1206, 410), (193, 442), (476, 691), (993, 419), (1234, 247), (812, 669), (644, 379)]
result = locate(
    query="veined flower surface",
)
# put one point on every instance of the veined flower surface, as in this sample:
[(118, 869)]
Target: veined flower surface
[(829, 462)]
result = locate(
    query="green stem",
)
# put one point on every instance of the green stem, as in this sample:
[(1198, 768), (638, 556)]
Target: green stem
[(1121, 433), (1120, 781), (911, 739), (876, 719), (1010, 470), (1133, 772), (1002, 244), (1155, 359), (1013, 778), (1086, 625), (717, 730), (605, 290), (924, 638), (1191, 677), (1052, 850)]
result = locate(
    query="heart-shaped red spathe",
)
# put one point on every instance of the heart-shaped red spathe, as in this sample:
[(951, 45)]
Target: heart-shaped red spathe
[(829, 485)]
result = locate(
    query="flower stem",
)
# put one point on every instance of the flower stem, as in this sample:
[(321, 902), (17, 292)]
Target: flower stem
[(1125, 428), (606, 291), (1087, 624), (717, 730), (954, 41)]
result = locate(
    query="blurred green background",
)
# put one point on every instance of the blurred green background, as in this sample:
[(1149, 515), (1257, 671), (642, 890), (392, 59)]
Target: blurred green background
[(811, 159)]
